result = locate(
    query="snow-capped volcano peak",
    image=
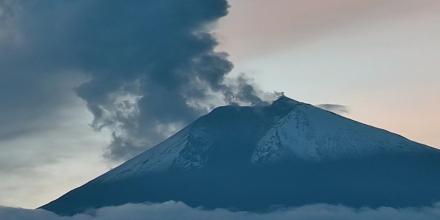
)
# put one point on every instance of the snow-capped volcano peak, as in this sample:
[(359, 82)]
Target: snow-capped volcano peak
[(285, 130), (254, 158)]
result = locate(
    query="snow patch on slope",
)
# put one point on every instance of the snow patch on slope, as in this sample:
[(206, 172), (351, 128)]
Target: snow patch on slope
[(156, 159), (194, 155), (310, 133)]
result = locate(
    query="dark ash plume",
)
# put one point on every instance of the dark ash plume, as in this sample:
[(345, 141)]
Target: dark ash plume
[(151, 64), (153, 68)]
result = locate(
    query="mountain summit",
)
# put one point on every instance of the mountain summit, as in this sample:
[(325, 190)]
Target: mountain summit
[(256, 158)]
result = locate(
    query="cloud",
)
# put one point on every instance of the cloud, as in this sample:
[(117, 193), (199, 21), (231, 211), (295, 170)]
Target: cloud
[(143, 68), (151, 65), (339, 109), (176, 210)]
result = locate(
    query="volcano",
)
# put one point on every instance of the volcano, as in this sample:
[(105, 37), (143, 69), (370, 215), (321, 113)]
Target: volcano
[(258, 158)]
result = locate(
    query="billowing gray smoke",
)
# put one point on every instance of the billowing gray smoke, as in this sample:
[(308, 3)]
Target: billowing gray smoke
[(151, 64)]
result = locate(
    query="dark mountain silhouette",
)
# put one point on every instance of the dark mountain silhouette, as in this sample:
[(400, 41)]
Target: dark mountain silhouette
[(263, 157)]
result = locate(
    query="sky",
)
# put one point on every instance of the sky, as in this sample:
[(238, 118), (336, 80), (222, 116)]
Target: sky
[(379, 58), (68, 117)]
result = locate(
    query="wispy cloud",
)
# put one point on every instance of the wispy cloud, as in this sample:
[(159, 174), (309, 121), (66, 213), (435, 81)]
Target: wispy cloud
[(175, 210), (336, 108)]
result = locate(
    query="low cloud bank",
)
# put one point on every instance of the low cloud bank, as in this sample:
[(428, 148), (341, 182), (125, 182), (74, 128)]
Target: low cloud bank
[(176, 210)]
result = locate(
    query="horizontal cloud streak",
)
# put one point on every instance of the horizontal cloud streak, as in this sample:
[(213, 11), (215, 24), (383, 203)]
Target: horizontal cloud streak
[(176, 210), (339, 109)]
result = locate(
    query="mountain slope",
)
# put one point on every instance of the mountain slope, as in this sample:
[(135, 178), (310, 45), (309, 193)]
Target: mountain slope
[(256, 158)]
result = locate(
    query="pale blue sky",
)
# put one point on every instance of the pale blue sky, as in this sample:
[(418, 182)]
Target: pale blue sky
[(380, 58)]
